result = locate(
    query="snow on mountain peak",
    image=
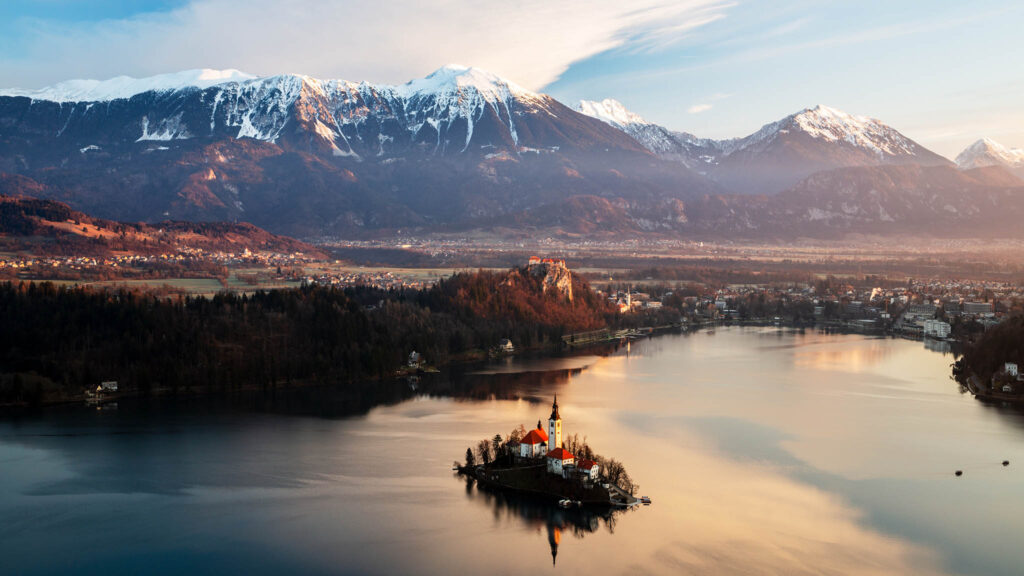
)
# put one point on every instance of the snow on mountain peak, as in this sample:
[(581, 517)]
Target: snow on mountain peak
[(126, 86), (832, 125), (457, 78), (988, 152), (609, 111)]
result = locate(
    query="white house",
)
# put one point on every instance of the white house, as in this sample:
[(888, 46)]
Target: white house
[(107, 387), (506, 346), (414, 359), (589, 469), (558, 459), (534, 444), (1011, 369)]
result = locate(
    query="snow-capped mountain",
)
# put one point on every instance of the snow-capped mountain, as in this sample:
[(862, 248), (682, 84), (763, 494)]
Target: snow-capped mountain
[(307, 156), (692, 151), (988, 152), (466, 149), (455, 109), (126, 86), (780, 153)]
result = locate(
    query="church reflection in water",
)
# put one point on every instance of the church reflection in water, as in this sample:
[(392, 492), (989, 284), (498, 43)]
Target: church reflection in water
[(540, 514)]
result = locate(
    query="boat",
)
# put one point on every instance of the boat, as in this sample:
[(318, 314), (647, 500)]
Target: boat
[(645, 499)]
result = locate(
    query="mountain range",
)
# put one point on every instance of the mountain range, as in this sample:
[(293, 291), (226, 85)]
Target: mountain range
[(778, 155), (464, 149)]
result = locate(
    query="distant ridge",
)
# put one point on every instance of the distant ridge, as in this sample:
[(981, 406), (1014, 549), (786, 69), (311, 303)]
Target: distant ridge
[(780, 153)]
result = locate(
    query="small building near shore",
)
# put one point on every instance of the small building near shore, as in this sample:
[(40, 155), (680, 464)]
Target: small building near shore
[(559, 459), (589, 469), (506, 346)]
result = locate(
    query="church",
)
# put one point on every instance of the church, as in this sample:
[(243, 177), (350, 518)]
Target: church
[(539, 443)]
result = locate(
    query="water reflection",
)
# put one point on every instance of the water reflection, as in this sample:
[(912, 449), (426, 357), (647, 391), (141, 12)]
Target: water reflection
[(853, 356), (539, 514)]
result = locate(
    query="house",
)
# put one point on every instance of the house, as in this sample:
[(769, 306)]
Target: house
[(506, 346), (1011, 369), (107, 387), (534, 444), (589, 469), (559, 459), (414, 359)]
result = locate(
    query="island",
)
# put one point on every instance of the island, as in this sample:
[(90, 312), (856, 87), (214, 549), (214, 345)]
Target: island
[(543, 464)]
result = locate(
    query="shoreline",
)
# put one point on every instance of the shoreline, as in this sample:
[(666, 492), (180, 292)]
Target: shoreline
[(469, 358)]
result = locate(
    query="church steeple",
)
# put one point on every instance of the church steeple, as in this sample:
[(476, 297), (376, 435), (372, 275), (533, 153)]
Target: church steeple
[(554, 427)]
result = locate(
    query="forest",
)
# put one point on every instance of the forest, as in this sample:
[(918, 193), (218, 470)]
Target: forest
[(993, 349), (59, 341)]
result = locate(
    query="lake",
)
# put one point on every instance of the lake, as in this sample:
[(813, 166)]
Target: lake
[(765, 451)]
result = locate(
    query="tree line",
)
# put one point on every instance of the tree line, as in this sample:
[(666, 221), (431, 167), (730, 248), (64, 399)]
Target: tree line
[(60, 340)]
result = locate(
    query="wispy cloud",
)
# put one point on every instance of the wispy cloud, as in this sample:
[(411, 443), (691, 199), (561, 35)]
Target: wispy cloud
[(532, 41), (698, 108)]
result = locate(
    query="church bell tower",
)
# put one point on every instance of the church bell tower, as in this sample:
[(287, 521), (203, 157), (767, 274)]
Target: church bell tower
[(554, 427)]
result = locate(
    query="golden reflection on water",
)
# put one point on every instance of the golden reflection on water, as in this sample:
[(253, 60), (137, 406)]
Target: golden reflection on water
[(805, 403), (858, 357)]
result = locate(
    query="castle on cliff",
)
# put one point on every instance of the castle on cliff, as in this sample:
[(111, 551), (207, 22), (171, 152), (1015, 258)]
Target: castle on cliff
[(555, 273)]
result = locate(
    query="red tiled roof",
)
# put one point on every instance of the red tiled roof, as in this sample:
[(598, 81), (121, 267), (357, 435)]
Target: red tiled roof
[(561, 454), (534, 437), (586, 464)]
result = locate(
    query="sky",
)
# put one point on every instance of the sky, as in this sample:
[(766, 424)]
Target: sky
[(944, 73)]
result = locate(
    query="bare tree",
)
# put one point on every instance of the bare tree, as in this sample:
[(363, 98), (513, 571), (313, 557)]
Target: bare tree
[(483, 450)]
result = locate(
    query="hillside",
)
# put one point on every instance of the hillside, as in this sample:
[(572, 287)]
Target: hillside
[(45, 227)]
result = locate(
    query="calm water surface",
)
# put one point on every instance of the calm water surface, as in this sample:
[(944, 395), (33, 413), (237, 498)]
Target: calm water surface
[(764, 451)]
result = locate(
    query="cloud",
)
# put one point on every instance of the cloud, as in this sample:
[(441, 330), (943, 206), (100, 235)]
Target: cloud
[(531, 42), (698, 108)]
